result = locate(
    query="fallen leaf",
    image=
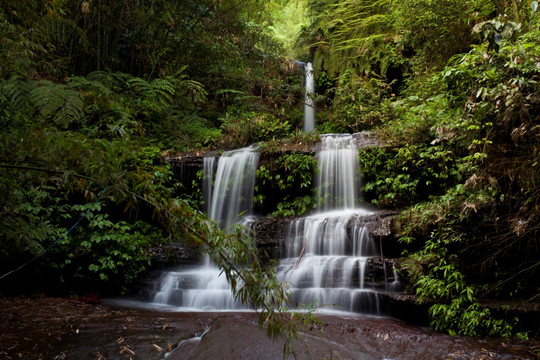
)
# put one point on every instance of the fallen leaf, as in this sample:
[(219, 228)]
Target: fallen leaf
[(125, 349)]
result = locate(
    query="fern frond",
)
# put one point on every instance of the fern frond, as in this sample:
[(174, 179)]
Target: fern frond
[(142, 87), (112, 81), (17, 91), (164, 90), (192, 89), (57, 102), (47, 98), (82, 83), (72, 109)]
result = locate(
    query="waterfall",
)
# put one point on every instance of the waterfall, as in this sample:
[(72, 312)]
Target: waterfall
[(309, 109), (338, 179), (232, 194), (324, 255), (203, 287), (208, 180)]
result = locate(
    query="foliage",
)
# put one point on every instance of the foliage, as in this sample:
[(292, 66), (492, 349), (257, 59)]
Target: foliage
[(436, 30), (290, 172), (405, 175), (242, 127), (456, 309), (359, 105), (104, 253), (111, 249), (462, 153), (288, 18), (348, 35)]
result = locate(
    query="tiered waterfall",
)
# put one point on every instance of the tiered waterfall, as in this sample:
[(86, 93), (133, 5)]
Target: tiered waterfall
[(324, 255)]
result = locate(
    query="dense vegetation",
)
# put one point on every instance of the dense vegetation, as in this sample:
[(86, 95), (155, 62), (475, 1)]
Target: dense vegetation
[(452, 87), (93, 94)]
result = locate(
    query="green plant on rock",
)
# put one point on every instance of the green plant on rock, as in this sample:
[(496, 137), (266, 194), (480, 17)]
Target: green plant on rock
[(454, 308), (268, 127), (402, 176), (358, 104), (289, 174)]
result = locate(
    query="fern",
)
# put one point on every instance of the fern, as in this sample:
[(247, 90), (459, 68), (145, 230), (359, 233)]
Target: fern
[(164, 90), (82, 83), (193, 90), (71, 111), (16, 90), (113, 81), (348, 35), (142, 88), (57, 102)]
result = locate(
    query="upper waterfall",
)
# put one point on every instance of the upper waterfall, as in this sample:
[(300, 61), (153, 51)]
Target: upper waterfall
[(309, 109)]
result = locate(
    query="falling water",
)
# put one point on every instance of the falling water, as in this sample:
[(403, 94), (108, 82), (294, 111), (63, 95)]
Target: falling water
[(309, 109), (232, 195), (324, 256), (338, 180), (208, 180), (202, 287)]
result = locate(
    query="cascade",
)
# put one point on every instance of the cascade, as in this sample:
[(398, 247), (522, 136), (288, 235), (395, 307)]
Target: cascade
[(309, 109), (208, 179), (232, 194), (202, 287), (338, 179), (324, 255)]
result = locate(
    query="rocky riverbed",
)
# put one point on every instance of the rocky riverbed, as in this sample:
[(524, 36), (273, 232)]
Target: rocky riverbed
[(84, 328)]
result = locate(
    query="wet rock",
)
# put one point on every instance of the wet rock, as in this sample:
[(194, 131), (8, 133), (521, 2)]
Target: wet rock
[(271, 232), (366, 138), (174, 254)]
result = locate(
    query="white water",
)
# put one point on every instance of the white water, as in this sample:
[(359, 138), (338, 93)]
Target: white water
[(325, 255), (208, 180), (338, 179), (232, 195), (202, 287), (309, 109)]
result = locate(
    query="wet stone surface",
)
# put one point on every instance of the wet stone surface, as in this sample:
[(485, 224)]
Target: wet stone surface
[(59, 328)]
